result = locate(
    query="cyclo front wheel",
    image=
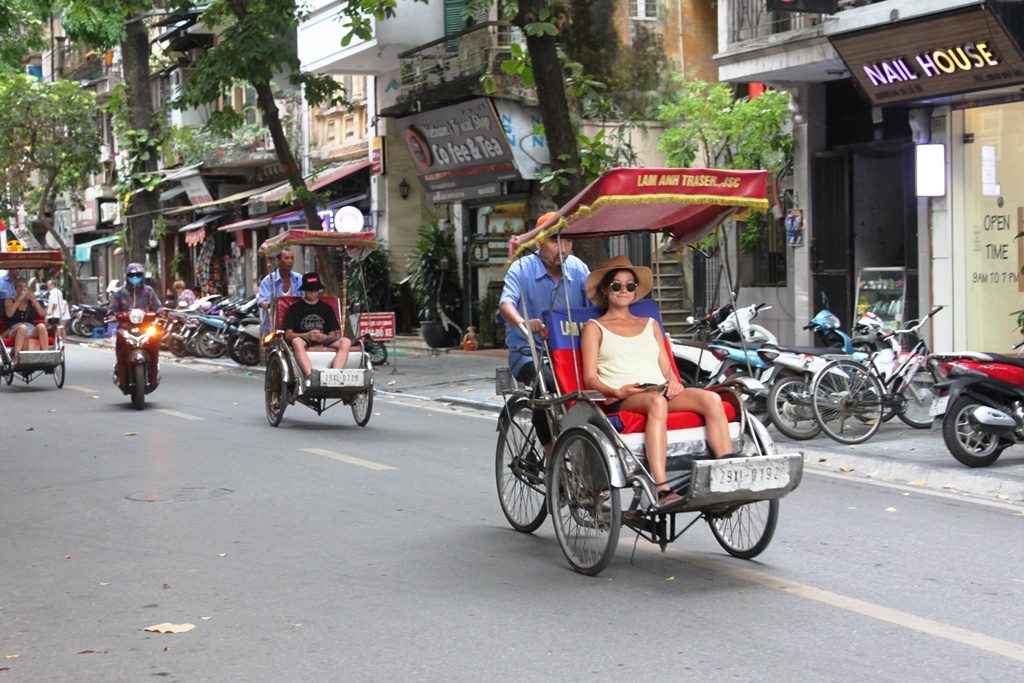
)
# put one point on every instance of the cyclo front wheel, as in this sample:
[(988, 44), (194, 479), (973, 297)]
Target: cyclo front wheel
[(274, 389), (847, 401), (519, 468), (586, 509), (745, 531)]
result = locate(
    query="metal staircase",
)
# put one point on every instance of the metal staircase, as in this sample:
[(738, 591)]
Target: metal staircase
[(672, 291)]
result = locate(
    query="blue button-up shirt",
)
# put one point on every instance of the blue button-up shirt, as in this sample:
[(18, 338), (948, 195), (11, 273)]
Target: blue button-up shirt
[(271, 288), (528, 280)]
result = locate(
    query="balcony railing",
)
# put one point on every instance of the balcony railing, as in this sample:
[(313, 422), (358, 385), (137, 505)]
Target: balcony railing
[(458, 57), (750, 19)]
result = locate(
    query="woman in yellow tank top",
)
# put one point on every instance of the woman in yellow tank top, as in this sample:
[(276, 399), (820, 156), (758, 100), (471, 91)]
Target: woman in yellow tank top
[(624, 355)]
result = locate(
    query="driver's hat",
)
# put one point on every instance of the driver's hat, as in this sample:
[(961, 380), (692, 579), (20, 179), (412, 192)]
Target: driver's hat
[(311, 283)]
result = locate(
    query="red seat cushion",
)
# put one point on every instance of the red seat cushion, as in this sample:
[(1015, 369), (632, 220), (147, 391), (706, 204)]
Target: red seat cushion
[(635, 422), (283, 302)]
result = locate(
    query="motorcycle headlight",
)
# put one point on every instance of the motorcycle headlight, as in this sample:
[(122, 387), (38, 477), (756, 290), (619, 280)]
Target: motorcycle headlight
[(136, 316)]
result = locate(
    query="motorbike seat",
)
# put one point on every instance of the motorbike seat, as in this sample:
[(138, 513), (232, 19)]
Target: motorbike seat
[(1016, 361), (807, 350)]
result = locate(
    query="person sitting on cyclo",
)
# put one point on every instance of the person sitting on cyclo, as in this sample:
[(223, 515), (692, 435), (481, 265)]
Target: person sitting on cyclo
[(25, 318), (310, 322), (624, 358)]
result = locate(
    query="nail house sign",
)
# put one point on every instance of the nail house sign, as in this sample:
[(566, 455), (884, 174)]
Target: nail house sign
[(943, 55)]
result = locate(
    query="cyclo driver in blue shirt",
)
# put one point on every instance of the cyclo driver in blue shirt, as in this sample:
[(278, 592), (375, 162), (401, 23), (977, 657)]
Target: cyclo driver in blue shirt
[(542, 280)]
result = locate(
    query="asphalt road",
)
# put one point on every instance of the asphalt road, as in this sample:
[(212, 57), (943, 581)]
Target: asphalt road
[(322, 551)]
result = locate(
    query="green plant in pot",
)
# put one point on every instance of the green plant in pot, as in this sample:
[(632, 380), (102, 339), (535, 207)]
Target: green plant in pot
[(434, 283)]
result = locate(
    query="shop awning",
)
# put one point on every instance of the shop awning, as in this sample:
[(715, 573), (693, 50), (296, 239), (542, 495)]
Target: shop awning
[(247, 224), (200, 222), (84, 251), (323, 179), (237, 197)]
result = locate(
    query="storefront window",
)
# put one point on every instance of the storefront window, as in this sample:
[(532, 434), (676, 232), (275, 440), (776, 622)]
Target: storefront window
[(993, 215)]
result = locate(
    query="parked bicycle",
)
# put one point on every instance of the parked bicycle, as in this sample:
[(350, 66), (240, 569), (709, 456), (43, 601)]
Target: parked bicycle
[(851, 399)]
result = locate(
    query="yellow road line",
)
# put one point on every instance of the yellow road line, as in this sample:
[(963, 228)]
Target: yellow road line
[(175, 413), (368, 464), (938, 629), (84, 390)]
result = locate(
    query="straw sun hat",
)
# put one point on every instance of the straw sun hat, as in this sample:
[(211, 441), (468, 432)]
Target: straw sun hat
[(643, 275)]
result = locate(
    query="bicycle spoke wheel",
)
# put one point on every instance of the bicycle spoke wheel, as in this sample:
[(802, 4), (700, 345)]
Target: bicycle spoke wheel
[(789, 405), (917, 399), (747, 530), (587, 511), (847, 401), (519, 468)]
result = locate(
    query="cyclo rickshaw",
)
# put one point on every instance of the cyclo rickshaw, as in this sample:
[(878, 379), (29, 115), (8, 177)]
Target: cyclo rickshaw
[(597, 479), (351, 385), (33, 363)]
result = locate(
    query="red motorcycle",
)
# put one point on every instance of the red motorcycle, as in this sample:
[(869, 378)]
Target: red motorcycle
[(979, 403), (137, 349)]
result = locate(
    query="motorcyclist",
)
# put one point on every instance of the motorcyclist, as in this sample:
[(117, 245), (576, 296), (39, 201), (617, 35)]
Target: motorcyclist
[(134, 294)]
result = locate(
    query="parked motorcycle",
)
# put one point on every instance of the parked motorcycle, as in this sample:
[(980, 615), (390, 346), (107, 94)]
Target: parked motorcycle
[(137, 352), (979, 404)]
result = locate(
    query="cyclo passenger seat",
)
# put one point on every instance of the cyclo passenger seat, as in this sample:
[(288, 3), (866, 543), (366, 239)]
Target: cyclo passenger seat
[(564, 332), (321, 357)]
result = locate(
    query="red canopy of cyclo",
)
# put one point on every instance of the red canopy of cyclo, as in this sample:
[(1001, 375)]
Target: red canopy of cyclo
[(684, 202), (318, 238), (31, 259)]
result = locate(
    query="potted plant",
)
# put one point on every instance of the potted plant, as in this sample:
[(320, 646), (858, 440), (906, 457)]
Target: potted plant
[(434, 283)]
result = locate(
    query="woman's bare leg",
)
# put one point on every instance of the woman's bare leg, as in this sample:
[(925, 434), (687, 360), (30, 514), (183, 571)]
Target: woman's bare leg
[(655, 407), (708, 404)]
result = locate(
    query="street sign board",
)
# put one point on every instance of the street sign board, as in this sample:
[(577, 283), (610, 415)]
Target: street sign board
[(380, 326)]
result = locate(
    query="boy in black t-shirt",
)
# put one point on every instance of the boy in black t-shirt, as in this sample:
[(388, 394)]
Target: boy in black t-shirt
[(310, 322)]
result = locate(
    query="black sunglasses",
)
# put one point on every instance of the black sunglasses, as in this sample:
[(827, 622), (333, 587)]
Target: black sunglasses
[(616, 286)]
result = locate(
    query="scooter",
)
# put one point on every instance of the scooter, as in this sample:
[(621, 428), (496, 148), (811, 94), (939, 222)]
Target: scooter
[(137, 352), (979, 404)]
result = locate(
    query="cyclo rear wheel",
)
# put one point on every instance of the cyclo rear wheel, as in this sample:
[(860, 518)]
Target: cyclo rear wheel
[(847, 401), (746, 530), (519, 468), (362, 406), (587, 511)]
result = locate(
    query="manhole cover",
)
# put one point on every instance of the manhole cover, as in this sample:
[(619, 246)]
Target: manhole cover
[(179, 495)]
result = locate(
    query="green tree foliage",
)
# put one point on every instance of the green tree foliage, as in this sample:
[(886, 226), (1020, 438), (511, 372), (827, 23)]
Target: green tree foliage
[(21, 30), (709, 125), (48, 145)]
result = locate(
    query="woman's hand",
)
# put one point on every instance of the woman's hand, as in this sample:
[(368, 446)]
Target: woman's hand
[(673, 388)]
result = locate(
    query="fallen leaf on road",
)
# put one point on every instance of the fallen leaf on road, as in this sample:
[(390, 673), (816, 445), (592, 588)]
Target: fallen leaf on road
[(1003, 496), (206, 618), (30, 429), (949, 486), (466, 391), (872, 474), (821, 458), (104, 583), (51, 410), (94, 396), (890, 509), (670, 578), (919, 482), (14, 656), (130, 434), (851, 508), (1019, 514), (167, 627), (91, 652), (392, 383), (846, 469), (222, 554), (67, 557), (905, 493)]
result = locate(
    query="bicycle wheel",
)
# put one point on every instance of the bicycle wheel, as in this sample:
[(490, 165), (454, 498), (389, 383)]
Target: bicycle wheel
[(917, 399), (519, 468), (789, 405), (58, 375), (745, 531), (362, 407), (847, 401), (274, 390), (587, 511)]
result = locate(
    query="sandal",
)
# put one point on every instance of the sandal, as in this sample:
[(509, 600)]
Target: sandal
[(668, 498)]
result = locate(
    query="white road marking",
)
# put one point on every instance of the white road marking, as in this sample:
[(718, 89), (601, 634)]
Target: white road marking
[(84, 390), (961, 496), (980, 641), (175, 413), (351, 460)]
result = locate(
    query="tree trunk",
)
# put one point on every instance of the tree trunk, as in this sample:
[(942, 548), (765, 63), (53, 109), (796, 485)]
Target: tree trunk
[(143, 204), (549, 78), (285, 156)]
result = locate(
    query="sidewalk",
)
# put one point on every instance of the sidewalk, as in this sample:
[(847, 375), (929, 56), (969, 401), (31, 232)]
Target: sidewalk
[(897, 453)]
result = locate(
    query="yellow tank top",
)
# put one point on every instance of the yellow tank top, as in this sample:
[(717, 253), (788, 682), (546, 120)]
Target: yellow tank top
[(625, 360)]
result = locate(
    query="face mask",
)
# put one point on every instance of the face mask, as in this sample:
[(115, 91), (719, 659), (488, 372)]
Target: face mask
[(135, 279)]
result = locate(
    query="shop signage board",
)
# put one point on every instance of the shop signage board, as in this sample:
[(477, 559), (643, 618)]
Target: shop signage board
[(458, 147), (195, 188), (380, 326), (529, 148), (377, 155), (819, 6), (945, 54)]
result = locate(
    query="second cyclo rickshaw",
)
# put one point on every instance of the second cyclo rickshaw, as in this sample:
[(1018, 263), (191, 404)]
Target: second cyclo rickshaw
[(351, 385), (32, 363), (597, 479)]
